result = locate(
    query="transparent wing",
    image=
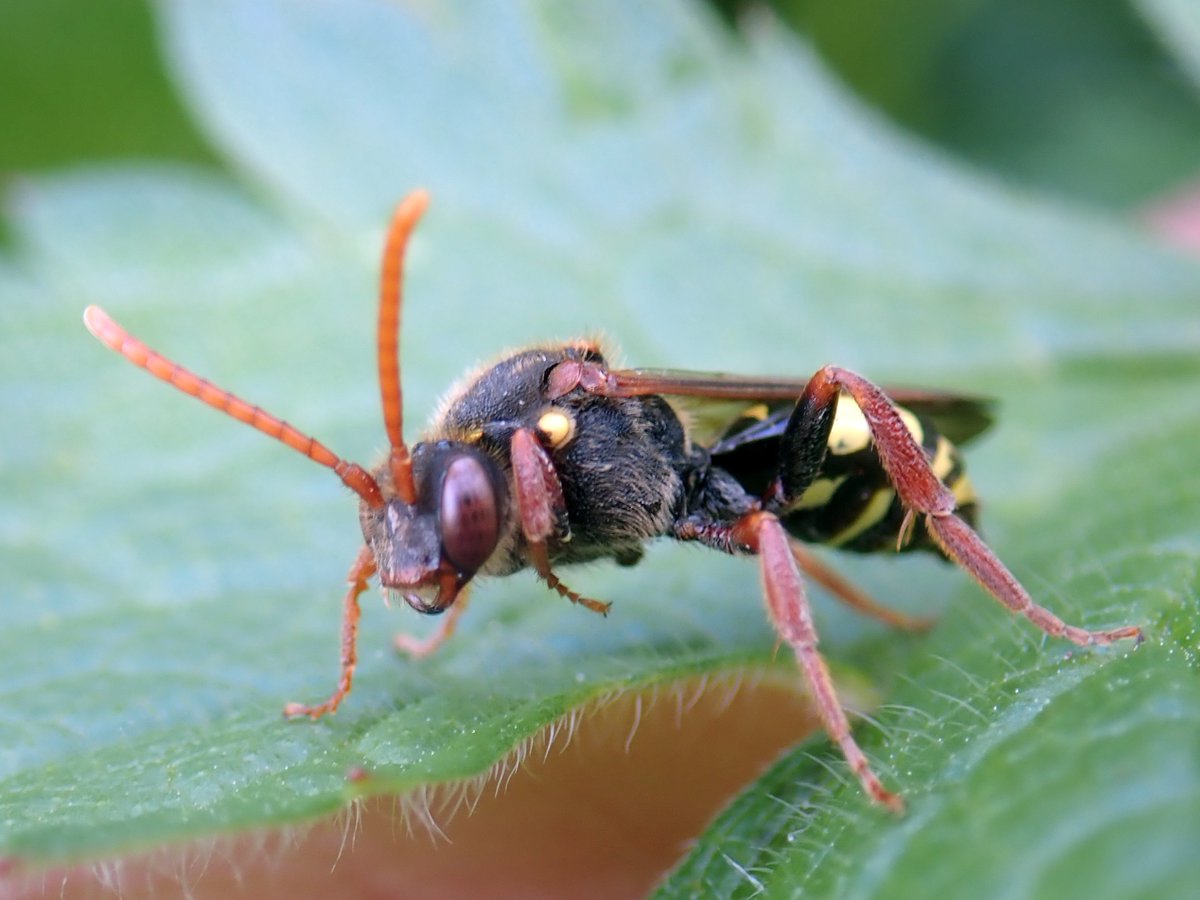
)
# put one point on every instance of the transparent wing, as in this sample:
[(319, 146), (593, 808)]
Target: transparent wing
[(960, 417)]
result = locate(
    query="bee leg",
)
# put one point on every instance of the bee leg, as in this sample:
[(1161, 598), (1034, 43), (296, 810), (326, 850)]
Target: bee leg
[(803, 445), (852, 596), (419, 648), (924, 494), (802, 450), (543, 510), (763, 534), (362, 569)]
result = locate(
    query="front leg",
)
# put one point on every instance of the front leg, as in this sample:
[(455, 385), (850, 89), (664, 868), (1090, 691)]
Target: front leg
[(362, 569), (542, 508)]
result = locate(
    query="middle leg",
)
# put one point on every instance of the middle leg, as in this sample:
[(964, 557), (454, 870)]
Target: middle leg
[(762, 533), (419, 648), (852, 596)]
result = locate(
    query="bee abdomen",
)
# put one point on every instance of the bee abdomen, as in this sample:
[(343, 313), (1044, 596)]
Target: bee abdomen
[(851, 504)]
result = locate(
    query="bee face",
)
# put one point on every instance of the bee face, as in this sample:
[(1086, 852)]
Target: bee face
[(429, 550)]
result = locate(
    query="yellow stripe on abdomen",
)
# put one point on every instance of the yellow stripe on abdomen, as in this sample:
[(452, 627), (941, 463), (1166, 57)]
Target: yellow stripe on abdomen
[(851, 434), (872, 513)]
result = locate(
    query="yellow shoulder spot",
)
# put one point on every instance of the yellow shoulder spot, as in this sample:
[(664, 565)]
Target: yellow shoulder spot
[(556, 427)]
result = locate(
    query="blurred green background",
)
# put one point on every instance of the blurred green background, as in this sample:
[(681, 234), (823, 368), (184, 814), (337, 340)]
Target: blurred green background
[(1076, 97)]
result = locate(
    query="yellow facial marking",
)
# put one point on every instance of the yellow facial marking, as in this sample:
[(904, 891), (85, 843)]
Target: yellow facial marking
[(758, 411), (556, 427)]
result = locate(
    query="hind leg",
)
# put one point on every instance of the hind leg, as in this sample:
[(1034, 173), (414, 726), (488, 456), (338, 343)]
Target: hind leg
[(852, 596)]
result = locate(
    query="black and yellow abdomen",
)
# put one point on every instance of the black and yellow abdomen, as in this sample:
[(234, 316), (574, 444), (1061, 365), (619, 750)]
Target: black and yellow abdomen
[(851, 503)]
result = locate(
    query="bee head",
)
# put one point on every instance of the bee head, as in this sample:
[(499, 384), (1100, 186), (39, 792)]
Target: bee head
[(430, 549)]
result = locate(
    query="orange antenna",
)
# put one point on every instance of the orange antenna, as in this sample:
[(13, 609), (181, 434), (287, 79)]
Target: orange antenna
[(117, 338), (390, 294)]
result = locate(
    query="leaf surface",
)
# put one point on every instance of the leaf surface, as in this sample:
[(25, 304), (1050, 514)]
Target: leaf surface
[(172, 579)]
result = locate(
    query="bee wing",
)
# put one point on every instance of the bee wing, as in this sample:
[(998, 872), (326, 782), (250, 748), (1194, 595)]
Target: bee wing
[(716, 397)]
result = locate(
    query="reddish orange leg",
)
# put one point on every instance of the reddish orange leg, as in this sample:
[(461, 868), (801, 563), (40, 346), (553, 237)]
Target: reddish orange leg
[(362, 569), (763, 534), (924, 494), (852, 596), (967, 548), (543, 509), (419, 648)]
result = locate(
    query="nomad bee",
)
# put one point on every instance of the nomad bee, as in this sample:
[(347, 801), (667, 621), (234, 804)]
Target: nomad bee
[(551, 457)]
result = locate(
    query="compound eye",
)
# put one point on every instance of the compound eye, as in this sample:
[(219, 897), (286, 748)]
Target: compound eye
[(469, 516)]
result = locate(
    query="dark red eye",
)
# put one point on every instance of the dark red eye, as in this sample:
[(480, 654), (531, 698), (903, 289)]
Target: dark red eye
[(470, 522)]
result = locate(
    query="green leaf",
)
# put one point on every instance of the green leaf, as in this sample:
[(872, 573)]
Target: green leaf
[(171, 579)]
